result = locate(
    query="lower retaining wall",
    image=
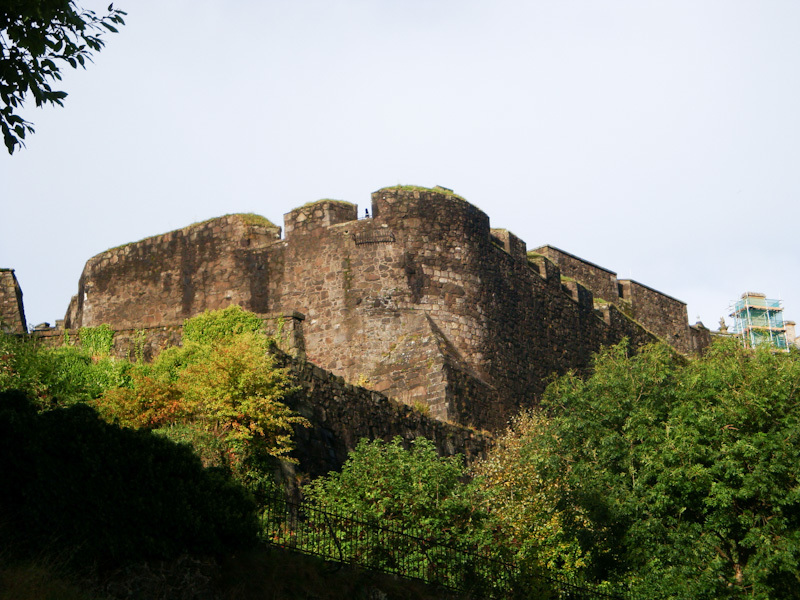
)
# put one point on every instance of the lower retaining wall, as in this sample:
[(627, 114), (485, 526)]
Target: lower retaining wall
[(341, 414)]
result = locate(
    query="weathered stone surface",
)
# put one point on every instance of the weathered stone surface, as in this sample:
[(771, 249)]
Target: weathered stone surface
[(163, 280), (602, 282), (341, 414), (663, 315), (12, 312), (659, 313)]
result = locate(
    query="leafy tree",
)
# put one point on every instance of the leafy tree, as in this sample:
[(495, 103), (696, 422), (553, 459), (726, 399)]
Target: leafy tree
[(413, 489), (526, 503), (37, 39), (423, 506), (221, 391), (216, 326), (672, 476)]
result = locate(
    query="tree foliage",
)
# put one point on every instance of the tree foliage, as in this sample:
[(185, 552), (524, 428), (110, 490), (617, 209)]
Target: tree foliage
[(37, 39), (671, 476), (57, 377), (526, 502), (221, 391), (413, 489), (423, 506)]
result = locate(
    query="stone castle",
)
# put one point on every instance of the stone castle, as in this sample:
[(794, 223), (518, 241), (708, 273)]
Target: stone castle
[(423, 301)]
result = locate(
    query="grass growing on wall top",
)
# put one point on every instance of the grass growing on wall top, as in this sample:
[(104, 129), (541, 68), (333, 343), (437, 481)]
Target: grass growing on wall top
[(320, 201), (250, 219), (254, 219), (418, 188)]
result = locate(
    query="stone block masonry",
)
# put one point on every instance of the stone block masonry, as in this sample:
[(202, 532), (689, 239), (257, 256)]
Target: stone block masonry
[(424, 302), (12, 312), (661, 314), (163, 280), (342, 414)]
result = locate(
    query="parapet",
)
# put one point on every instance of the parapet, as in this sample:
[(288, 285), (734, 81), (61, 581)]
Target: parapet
[(511, 243), (419, 208), (601, 281), (579, 293), (664, 315), (549, 271), (165, 279)]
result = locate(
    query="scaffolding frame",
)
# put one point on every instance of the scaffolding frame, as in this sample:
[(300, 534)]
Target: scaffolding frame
[(759, 320)]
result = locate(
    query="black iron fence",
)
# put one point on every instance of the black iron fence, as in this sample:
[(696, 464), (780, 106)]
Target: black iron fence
[(341, 538)]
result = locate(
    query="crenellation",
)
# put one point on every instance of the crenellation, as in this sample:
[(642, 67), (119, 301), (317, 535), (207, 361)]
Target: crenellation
[(311, 218), (579, 293), (510, 243)]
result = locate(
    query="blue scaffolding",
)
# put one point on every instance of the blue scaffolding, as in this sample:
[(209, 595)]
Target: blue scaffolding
[(759, 320)]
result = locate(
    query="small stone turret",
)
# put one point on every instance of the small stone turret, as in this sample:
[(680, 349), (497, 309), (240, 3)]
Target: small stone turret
[(316, 216)]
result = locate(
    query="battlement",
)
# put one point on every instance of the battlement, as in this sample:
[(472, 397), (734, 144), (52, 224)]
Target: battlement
[(510, 243), (660, 313), (433, 210), (312, 217), (600, 280)]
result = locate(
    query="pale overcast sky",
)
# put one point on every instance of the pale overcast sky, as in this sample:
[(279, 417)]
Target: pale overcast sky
[(658, 139)]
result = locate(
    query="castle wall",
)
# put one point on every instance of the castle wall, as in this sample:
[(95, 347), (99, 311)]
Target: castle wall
[(506, 328), (537, 327), (347, 278), (165, 279), (423, 302), (12, 312), (663, 315), (341, 414), (602, 282)]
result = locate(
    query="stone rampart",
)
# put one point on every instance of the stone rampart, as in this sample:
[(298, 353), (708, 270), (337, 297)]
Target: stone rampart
[(602, 282), (424, 302), (661, 314)]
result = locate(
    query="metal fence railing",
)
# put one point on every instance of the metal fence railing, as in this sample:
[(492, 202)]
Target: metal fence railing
[(341, 538)]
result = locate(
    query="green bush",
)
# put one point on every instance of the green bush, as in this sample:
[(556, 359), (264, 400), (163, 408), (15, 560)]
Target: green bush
[(216, 325), (413, 489), (96, 341), (57, 377)]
